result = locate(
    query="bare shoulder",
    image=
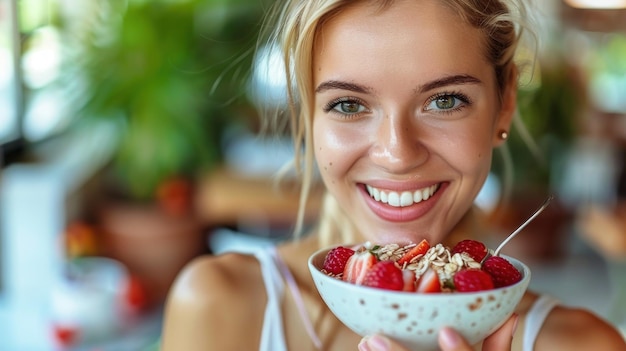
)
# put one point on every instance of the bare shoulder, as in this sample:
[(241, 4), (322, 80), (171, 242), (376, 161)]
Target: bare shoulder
[(578, 329), (213, 302)]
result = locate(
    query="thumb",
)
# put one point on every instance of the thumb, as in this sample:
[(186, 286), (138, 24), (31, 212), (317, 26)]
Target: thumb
[(501, 340)]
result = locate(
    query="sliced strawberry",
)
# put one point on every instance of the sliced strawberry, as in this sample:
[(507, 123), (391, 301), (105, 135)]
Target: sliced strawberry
[(428, 282), (358, 265), (475, 249), (472, 279), (408, 276), (415, 251), (501, 271), (336, 259), (384, 275)]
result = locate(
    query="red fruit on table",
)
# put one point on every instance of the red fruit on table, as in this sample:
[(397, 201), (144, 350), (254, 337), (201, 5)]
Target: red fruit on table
[(472, 279), (418, 250), (336, 259), (501, 271), (135, 294), (357, 266), (384, 275), (475, 249), (428, 282), (65, 335)]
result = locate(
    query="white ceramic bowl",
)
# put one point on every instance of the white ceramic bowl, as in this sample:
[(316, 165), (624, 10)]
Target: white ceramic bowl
[(414, 319)]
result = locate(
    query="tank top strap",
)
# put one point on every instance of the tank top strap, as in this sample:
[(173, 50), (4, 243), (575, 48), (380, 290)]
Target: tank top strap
[(272, 334), (275, 274), (535, 318), (297, 296)]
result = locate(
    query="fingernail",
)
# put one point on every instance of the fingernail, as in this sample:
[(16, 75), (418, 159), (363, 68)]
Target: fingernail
[(374, 343), (449, 338)]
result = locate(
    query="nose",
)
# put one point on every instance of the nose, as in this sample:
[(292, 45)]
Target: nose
[(398, 148)]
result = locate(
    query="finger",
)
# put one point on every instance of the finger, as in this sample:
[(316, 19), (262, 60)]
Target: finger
[(450, 340), (501, 340), (379, 343)]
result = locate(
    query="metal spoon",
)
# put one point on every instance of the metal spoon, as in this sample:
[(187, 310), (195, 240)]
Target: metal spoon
[(519, 229)]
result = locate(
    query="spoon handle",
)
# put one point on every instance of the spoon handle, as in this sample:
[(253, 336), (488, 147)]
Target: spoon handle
[(519, 229)]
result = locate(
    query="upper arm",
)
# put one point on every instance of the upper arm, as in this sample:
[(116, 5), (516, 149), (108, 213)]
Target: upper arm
[(215, 303), (578, 329)]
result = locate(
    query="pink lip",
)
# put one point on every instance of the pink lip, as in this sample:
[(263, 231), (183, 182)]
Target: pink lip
[(402, 214)]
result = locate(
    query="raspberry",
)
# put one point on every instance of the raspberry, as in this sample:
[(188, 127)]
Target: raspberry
[(475, 249), (472, 279), (501, 271), (336, 259), (384, 275)]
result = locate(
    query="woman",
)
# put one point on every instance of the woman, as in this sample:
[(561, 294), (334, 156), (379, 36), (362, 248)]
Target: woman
[(407, 96)]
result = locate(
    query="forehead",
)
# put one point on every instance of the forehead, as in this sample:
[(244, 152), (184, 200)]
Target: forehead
[(406, 37)]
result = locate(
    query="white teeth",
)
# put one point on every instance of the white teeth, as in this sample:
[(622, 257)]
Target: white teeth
[(383, 197), (406, 198), (393, 199)]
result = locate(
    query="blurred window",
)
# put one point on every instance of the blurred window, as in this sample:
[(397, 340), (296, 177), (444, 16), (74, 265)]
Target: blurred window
[(9, 120), (31, 56)]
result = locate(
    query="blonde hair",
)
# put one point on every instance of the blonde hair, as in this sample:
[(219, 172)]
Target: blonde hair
[(296, 24)]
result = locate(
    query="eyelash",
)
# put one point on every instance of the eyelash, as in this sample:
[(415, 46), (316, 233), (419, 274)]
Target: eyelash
[(330, 107), (466, 101)]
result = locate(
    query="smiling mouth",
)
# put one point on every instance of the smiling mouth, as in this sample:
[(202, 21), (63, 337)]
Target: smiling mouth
[(401, 199)]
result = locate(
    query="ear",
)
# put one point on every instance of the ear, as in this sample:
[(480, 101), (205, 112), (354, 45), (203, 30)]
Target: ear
[(508, 107)]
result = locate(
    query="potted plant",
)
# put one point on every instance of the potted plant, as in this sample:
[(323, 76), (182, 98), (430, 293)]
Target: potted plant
[(170, 75), (550, 110)]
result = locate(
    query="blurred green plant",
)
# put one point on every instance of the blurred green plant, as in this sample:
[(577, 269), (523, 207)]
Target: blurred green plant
[(173, 74), (550, 109)]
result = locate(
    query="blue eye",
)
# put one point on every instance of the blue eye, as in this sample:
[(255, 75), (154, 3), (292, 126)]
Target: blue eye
[(446, 102)]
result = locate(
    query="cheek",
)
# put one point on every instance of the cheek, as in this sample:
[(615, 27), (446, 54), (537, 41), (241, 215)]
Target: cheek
[(473, 156), (336, 148)]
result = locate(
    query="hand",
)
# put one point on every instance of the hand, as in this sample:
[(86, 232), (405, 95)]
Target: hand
[(449, 340)]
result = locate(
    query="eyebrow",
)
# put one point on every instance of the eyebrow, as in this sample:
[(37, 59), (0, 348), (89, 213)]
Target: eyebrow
[(335, 84), (458, 79)]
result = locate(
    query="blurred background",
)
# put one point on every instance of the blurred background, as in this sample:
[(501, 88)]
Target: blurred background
[(129, 143)]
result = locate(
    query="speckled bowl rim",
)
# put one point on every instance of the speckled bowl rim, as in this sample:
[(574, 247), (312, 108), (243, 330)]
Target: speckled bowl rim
[(316, 261)]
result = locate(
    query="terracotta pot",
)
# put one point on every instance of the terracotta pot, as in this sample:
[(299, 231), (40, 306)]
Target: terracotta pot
[(152, 244)]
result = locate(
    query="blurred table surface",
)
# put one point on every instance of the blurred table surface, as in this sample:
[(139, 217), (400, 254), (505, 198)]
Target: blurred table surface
[(225, 197), (28, 328)]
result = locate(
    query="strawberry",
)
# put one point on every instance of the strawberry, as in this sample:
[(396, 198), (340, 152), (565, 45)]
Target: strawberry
[(472, 279), (428, 282), (384, 275), (358, 265), (408, 276), (415, 251), (501, 271), (336, 259), (475, 249)]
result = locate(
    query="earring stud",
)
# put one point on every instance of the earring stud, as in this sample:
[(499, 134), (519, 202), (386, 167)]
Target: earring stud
[(503, 135)]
